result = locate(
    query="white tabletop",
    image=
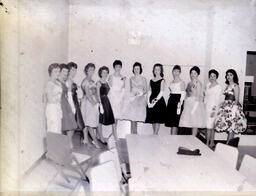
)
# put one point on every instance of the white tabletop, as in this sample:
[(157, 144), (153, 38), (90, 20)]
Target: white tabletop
[(156, 166)]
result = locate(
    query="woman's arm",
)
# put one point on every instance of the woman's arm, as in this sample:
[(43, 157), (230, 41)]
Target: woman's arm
[(110, 80), (237, 92), (149, 94), (130, 84), (183, 92), (199, 91), (98, 91), (160, 94), (145, 86)]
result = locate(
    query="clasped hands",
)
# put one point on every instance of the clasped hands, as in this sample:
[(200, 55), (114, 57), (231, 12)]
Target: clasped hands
[(152, 103)]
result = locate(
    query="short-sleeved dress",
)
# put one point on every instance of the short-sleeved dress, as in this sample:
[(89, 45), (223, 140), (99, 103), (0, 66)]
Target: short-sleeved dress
[(230, 117), (107, 118), (134, 107), (90, 112), (157, 114), (68, 117), (172, 116), (212, 102), (193, 114)]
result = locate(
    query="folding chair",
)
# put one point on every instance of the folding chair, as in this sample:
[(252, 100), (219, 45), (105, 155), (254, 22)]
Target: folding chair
[(248, 169), (60, 154), (227, 153)]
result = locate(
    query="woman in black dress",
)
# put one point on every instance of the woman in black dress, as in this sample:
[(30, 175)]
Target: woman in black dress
[(156, 106), (175, 101), (106, 116), (74, 88)]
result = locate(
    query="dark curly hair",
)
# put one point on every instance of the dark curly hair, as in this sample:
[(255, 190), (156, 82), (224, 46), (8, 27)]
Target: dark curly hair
[(235, 77), (102, 69)]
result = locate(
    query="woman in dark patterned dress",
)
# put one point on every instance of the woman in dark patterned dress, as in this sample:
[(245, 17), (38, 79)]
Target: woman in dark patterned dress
[(230, 117), (68, 117), (156, 106), (106, 116), (74, 88)]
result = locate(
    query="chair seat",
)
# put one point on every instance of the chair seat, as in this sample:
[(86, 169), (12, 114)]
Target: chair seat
[(80, 157)]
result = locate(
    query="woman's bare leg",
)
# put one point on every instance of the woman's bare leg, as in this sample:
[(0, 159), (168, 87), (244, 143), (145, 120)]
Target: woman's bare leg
[(208, 136), (93, 134), (86, 136), (212, 138), (114, 131), (133, 127), (156, 127), (230, 136), (194, 131), (70, 136), (174, 130), (100, 133)]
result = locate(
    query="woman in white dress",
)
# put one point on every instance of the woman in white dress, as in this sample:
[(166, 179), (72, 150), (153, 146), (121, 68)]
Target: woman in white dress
[(53, 94), (90, 105), (193, 114), (116, 93), (213, 93), (135, 105)]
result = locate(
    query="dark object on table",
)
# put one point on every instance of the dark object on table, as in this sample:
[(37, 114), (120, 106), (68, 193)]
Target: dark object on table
[(234, 142), (186, 151)]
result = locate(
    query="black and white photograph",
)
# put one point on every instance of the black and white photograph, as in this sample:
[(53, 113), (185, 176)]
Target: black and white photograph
[(128, 97)]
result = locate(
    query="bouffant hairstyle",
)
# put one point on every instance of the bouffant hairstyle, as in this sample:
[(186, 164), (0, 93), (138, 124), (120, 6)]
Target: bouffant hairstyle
[(87, 67), (214, 72), (117, 62), (137, 64), (176, 67), (196, 69), (52, 67), (161, 67), (102, 69)]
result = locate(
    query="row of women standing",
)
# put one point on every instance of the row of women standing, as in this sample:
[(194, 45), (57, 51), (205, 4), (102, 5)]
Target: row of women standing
[(104, 102)]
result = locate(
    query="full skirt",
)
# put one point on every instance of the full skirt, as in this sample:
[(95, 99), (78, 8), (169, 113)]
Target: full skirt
[(134, 108), (193, 114), (230, 118), (107, 118), (172, 118), (157, 114)]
